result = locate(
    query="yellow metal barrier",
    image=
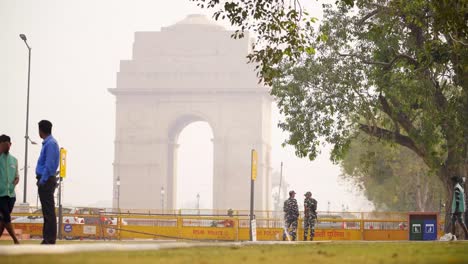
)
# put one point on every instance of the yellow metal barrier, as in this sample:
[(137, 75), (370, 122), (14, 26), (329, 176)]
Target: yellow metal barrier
[(145, 225)]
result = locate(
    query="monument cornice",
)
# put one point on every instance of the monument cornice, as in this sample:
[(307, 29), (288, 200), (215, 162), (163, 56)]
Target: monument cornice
[(188, 91)]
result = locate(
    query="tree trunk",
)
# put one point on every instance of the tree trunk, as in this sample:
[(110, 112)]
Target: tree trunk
[(418, 193), (427, 199), (448, 208), (446, 175)]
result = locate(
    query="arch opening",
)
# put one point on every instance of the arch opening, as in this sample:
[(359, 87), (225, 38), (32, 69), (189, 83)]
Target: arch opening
[(194, 166)]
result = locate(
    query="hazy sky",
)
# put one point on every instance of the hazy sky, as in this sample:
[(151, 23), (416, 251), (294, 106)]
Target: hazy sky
[(76, 50)]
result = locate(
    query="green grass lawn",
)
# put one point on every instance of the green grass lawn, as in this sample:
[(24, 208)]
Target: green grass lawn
[(334, 252)]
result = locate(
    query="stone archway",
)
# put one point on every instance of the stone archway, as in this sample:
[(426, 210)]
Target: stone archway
[(176, 127), (194, 167), (188, 72)]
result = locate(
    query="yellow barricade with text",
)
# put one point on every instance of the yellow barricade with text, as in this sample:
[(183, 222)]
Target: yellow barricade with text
[(125, 226)]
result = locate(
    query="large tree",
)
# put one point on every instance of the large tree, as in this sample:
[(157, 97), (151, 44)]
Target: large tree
[(396, 70), (391, 177)]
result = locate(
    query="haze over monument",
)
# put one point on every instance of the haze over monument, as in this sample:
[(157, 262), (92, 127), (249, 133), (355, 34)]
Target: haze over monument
[(187, 72), (76, 51)]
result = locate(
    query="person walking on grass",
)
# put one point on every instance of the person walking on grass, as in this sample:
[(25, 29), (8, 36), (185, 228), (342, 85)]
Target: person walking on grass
[(458, 206), (9, 178)]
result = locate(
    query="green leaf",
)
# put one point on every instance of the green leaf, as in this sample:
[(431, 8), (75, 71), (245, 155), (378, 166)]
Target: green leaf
[(310, 50)]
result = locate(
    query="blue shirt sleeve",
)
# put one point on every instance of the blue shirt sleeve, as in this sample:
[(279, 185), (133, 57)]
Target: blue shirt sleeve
[(52, 159)]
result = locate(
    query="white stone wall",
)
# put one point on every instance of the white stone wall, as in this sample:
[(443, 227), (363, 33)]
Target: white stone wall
[(191, 71)]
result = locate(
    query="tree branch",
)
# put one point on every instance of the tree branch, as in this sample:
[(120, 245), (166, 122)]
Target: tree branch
[(365, 60), (393, 136), (458, 41), (379, 6), (440, 99), (404, 56), (364, 18), (387, 65), (399, 117)]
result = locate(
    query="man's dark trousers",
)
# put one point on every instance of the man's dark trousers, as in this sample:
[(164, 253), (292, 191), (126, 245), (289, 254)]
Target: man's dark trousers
[(46, 195)]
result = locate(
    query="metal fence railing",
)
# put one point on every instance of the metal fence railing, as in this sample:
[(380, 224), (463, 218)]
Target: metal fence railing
[(194, 224)]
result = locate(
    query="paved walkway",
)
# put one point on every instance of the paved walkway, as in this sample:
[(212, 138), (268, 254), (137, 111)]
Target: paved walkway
[(135, 245), (92, 246)]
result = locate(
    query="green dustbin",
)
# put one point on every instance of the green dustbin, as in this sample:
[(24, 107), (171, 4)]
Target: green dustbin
[(416, 229)]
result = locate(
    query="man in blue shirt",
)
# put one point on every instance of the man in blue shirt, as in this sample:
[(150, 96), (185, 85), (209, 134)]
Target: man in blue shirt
[(46, 168)]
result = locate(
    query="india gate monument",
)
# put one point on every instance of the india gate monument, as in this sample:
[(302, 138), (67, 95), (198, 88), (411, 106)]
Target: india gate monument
[(190, 71)]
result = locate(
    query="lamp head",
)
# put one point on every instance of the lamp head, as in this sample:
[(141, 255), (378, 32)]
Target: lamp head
[(23, 37)]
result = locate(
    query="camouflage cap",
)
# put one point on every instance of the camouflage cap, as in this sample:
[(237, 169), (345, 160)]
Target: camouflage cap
[(307, 194), (292, 192)]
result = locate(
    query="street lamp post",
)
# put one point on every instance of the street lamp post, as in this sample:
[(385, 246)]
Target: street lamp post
[(118, 193), (26, 137), (198, 203), (162, 199)]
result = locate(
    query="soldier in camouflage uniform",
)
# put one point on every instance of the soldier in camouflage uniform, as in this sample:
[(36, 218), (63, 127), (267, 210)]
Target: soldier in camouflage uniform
[(310, 215), (291, 213)]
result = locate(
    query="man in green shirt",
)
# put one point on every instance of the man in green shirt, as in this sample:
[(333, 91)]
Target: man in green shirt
[(9, 178), (458, 206)]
